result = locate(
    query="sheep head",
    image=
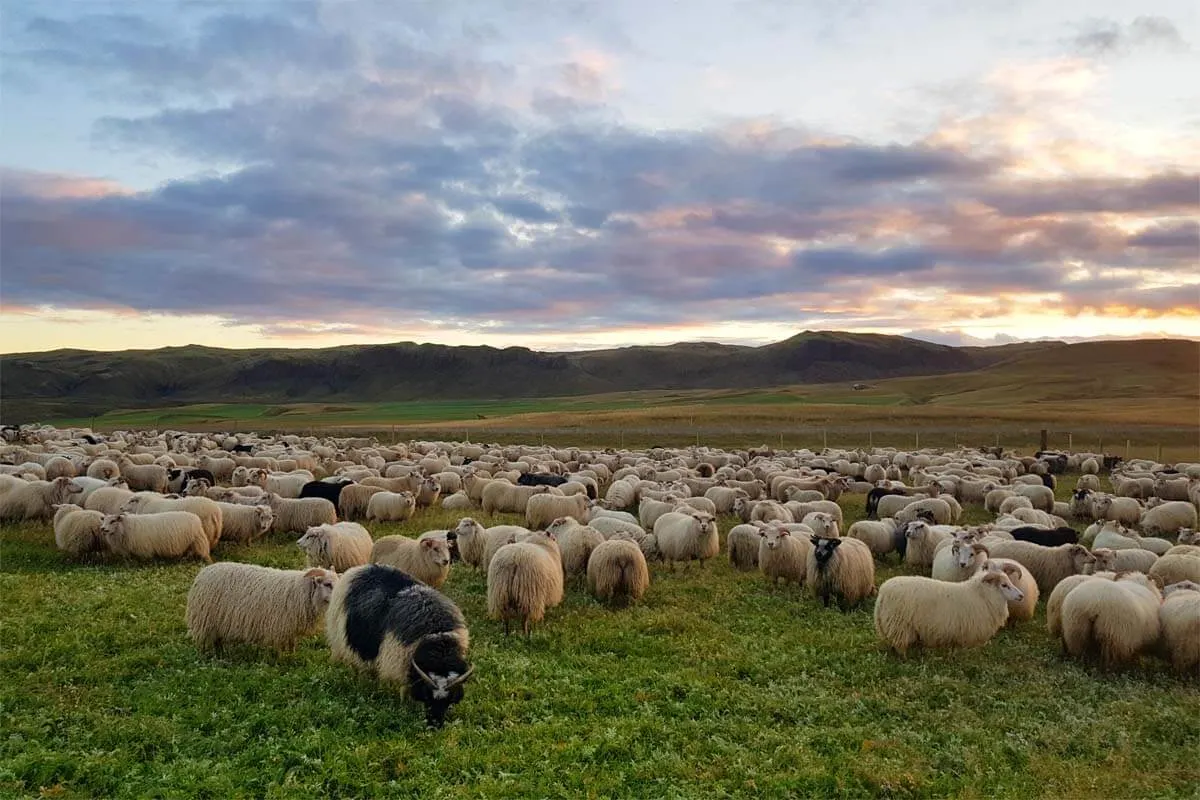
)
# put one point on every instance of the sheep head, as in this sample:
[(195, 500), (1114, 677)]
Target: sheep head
[(823, 549), (1001, 581)]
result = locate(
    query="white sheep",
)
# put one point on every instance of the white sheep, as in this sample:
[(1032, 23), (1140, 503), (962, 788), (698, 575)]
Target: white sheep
[(298, 515), (1091, 482), (207, 510), (822, 524), (524, 579), (231, 602), (611, 525), (742, 543), (245, 524), (469, 537), (144, 477), (459, 501), (108, 500), (1023, 609), (1049, 565), (687, 535), (1041, 496), (575, 543), (20, 499), (170, 534), (337, 546), (959, 561), (923, 542), (1065, 587), (354, 499), (1168, 518), (783, 554), (616, 570), (1113, 621), (1179, 622), (916, 611), (1175, 568), (841, 568), (1115, 537), (879, 535), (649, 510), (391, 506), (76, 531), (103, 468), (426, 559), (1013, 502), (1124, 560), (1125, 510), (542, 510), (508, 498)]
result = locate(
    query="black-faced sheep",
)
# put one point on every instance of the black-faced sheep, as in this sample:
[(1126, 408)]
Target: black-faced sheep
[(840, 568)]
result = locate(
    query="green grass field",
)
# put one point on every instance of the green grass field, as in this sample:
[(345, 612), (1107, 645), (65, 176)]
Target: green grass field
[(714, 686)]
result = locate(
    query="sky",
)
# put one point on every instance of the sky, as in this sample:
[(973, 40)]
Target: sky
[(578, 174)]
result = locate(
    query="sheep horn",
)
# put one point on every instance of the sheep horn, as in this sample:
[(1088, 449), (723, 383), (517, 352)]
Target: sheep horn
[(461, 678), (424, 677)]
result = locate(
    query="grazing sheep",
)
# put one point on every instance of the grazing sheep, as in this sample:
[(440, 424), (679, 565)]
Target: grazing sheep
[(843, 568), (742, 543), (1125, 510), (915, 611), (1168, 518), (391, 506), (231, 602), (385, 621), (245, 524), (103, 468), (1065, 587), (1175, 568), (459, 501), (686, 536), (427, 560), (507, 498), (783, 555), (1023, 609), (76, 531), (1113, 621), (21, 499), (879, 535), (353, 500), (169, 534), (1179, 621), (959, 561), (207, 510), (575, 543), (1049, 565), (524, 579), (337, 546), (542, 510), (1125, 560), (616, 571), (299, 514)]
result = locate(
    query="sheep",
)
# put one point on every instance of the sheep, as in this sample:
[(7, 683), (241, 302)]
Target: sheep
[(995, 498), (923, 541), (1023, 609), (469, 538), (1125, 510), (391, 506), (723, 497), (207, 510), (1114, 537), (843, 568), (1090, 482), (783, 555), (353, 500), (169, 534), (1126, 560), (406, 632), (1174, 568), (231, 602), (1065, 587), (503, 497), (1168, 518), (649, 510), (1112, 620), (1048, 565), (1090, 466), (34, 499), (1013, 502), (611, 525), (879, 535), (1033, 516), (1154, 544), (915, 611), (742, 544), (1046, 538), (331, 490), (616, 571), (459, 501), (941, 511), (822, 524), (103, 468), (959, 561), (543, 509), (107, 499), (700, 504), (1188, 536), (428, 492), (299, 514), (768, 511), (1041, 496), (801, 510), (575, 543), (496, 537), (76, 531), (89, 485), (337, 546), (1179, 622), (245, 524), (427, 560), (686, 536), (524, 579), (144, 477)]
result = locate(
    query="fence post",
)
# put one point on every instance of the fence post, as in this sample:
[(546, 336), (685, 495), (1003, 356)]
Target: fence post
[(1126, 449), (871, 439), (1159, 459), (918, 435), (997, 440), (1101, 445), (824, 438), (1045, 440), (1070, 443)]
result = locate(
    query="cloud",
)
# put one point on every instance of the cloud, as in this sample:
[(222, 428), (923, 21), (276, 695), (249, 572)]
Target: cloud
[(1105, 38)]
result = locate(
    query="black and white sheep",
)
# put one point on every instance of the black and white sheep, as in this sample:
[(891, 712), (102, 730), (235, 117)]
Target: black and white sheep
[(840, 568)]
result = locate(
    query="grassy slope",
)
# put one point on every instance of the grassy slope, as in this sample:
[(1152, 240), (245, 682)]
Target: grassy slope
[(715, 686)]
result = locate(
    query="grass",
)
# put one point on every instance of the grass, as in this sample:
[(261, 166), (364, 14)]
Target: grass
[(715, 686)]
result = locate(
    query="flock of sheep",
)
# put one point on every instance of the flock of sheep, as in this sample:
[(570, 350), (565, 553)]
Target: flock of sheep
[(1128, 586)]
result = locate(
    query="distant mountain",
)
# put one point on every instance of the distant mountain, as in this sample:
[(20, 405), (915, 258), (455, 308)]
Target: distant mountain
[(80, 383)]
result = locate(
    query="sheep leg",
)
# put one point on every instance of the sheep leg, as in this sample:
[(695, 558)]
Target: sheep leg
[(506, 626), (825, 597)]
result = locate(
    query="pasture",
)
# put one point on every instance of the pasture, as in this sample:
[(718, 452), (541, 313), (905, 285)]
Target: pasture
[(716, 685)]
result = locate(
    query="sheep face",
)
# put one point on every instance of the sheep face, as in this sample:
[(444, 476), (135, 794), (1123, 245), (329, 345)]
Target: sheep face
[(1105, 560), (1083, 560), (437, 550), (64, 488), (705, 522), (466, 526), (915, 530), (1001, 581), (962, 554), (266, 518), (1188, 536), (772, 536), (322, 581), (315, 542), (824, 548), (438, 691)]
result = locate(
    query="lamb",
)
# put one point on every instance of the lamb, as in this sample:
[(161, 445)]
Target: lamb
[(300, 514), (1168, 518), (782, 555), (542, 510), (1179, 621), (169, 534), (687, 535), (1065, 587), (207, 510), (1112, 620), (1174, 568), (427, 560), (1024, 608), (879, 535), (1048, 565), (244, 524), (616, 571), (337, 546), (915, 611), (524, 579), (575, 544), (923, 541), (144, 477), (103, 468), (742, 544), (391, 506), (34, 499), (1125, 510), (354, 499), (1124, 560), (959, 561), (76, 531), (231, 602), (385, 621), (843, 568)]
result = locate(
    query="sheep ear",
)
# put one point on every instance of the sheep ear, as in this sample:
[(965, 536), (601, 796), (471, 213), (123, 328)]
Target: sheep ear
[(315, 573), (428, 542), (834, 542)]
